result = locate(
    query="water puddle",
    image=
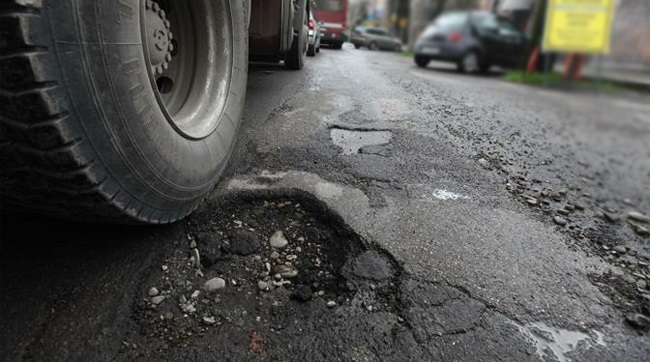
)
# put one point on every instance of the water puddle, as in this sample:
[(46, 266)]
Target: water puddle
[(554, 342), (352, 141), (442, 194)]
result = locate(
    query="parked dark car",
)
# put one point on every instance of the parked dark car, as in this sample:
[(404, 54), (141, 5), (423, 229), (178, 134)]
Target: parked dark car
[(473, 40), (375, 39), (314, 36)]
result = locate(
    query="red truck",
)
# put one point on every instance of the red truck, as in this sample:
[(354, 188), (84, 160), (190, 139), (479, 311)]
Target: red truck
[(333, 17), (127, 110)]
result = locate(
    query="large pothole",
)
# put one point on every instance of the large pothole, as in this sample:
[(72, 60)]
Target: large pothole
[(324, 272)]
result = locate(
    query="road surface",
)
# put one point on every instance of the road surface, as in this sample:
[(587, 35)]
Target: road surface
[(427, 215)]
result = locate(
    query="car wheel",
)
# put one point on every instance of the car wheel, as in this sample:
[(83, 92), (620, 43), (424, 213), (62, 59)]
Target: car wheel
[(373, 46), (338, 46), (296, 57), (421, 62), (129, 120), (469, 62), (311, 51), (357, 46)]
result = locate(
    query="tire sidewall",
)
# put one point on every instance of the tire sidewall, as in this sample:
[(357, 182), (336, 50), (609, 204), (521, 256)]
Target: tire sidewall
[(160, 174)]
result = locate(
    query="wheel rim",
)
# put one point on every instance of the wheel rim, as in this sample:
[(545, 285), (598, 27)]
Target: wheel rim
[(189, 47), (470, 62)]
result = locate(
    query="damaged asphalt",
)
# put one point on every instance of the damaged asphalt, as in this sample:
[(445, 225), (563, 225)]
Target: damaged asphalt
[(414, 216)]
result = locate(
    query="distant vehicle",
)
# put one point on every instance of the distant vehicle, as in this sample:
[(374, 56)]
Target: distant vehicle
[(333, 16), (314, 36), (473, 40), (375, 39)]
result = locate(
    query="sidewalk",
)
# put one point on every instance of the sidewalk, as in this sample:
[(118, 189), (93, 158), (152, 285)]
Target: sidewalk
[(629, 77)]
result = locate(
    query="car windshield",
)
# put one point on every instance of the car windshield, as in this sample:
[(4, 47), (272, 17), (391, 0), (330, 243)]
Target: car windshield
[(451, 21)]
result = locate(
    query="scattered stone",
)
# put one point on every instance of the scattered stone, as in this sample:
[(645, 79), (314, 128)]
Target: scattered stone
[(278, 240), (262, 285), (331, 304), (610, 217), (197, 258), (157, 299), (643, 231), (169, 316), (195, 295), (164, 268), (321, 293), (193, 244), (372, 265), (628, 202), (302, 294), (569, 207), (298, 249), (189, 308), (292, 257), (211, 248), (621, 249), (638, 320), (579, 206), (559, 220), (285, 271), (563, 211), (532, 201), (641, 284), (275, 255), (244, 243), (637, 216), (153, 292), (214, 284), (209, 320), (483, 162)]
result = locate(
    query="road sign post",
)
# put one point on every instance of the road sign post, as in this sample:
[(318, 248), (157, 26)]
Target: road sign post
[(578, 26)]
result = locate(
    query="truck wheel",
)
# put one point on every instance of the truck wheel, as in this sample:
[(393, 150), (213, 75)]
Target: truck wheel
[(122, 113), (295, 59)]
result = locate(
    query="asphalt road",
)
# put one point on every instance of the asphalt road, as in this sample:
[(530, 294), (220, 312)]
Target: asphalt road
[(418, 206)]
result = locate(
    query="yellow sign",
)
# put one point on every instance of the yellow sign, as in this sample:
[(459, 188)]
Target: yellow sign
[(579, 26)]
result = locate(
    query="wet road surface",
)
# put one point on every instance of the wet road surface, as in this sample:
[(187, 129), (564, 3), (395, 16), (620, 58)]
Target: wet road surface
[(428, 215)]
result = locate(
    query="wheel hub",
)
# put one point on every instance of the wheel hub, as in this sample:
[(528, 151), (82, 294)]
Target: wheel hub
[(159, 37)]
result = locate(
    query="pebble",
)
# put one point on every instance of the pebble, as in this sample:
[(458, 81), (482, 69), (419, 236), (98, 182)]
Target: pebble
[(483, 162), (157, 299), (275, 255), (262, 285), (195, 295), (643, 231), (153, 292), (298, 249), (209, 320), (637, 216), (214, 284), (197, 258), (563, 212), (292, 257), (278, 240), (331, 304), (285, 271), (169, 316), (621, 249), (641, 284), (637, 320), (193, 244), (610, 217), (532, 201), (164, 267), (560, 220)]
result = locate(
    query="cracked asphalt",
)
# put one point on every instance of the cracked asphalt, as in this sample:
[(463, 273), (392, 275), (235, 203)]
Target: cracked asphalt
[(405, 196)]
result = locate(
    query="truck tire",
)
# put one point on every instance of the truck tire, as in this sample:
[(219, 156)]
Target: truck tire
[(296, 57), (118, 111)]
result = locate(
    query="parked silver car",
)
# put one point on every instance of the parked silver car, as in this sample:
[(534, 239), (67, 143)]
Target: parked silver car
[(375, 39)]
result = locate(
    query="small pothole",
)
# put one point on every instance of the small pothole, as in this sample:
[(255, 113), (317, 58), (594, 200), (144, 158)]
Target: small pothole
[(352, 141)]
